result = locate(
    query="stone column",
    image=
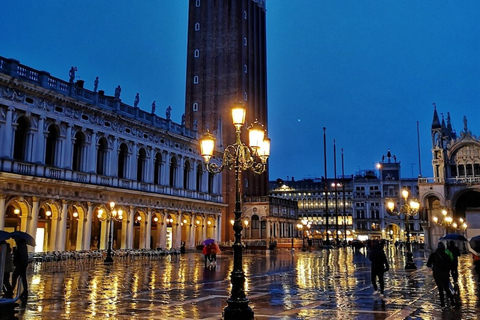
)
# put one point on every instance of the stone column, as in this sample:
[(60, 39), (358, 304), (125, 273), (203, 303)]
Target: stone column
[(63, 227), (149, 229), (130, 228), (2, 211), (54, 232), (103, 235), (191, 231), (268, 231), (91, 155), (219, 228), (67, 155), (125, 224), (80, 231), (178, 231), (32, 228), (88, 227), (163, 233), (7, 141), (40, 142)]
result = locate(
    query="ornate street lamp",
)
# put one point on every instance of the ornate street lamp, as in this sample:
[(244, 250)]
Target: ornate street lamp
[(409, 209), (240, 157), (448, 222), (110, 216)]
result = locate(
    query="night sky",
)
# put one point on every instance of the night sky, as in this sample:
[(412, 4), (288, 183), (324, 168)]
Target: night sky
[(365, 70)]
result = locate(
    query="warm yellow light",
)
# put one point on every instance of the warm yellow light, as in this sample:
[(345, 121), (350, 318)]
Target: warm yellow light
[(207, 145), (155, 219), (139, 218), (454, 225), (256, 135), (264, 151), (75, 214), (197, 222), (112, 205), (299, 226), (16, 211), (435, 219), (184, 220), (232, 222), (238, 115), (405, 193), (415, 205), (379, 166), (209, 222), (444, 212), (390, 206), (48, 213), (464, 225)]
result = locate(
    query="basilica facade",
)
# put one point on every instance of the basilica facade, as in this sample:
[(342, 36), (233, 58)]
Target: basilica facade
[(75, 161)]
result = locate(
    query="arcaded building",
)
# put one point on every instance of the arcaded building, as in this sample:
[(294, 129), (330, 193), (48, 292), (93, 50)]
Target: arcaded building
[(67, 152)]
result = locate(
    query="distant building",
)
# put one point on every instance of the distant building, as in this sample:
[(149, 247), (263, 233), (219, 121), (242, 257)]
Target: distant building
[(364, 215), (454, 189)]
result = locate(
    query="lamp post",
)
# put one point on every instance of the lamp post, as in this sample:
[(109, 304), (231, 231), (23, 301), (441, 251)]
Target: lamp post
[(448, 222), (239, 157), (409, 209), (110, 216)]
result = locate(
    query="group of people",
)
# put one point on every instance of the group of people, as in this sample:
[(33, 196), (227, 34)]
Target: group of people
[(210, 251), (16, 262), (443, 261)]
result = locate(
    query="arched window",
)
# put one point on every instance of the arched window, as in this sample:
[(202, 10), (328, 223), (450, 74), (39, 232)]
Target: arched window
[(102, 156), (157, 170), (122, 161), (21, 135), (198, 183), (51, 147), (186, 175), (211, 180), (173, 171), (142, 158), (255, 222), (78, 150)]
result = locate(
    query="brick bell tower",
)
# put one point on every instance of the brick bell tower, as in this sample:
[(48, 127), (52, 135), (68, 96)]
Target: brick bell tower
[(226, 64)]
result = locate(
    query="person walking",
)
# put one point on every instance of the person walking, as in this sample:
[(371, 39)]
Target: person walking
[(379, 266), (20, 260), (7, 287), (455, 254), (441, 265)]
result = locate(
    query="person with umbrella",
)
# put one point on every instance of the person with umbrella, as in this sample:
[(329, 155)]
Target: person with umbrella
[(455, 254), (8, 290), (441, 264), (20, 260)]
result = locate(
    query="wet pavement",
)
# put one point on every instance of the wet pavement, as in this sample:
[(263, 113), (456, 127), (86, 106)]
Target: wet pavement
[(324, 284)]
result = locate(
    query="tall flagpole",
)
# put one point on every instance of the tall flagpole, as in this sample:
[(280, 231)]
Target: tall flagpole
[(344, 212), (335, 187), (326, 183)]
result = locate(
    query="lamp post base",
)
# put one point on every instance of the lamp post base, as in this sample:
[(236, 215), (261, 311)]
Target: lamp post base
[(108, 260), (410, 265), (238, 311)]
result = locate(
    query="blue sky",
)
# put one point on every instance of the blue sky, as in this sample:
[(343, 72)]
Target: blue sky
[(366, 70)]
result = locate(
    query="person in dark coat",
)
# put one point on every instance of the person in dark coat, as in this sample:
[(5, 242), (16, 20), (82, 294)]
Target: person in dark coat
[(379, 266), (7, 287), (441, 264), (20, 260), (455, 253)]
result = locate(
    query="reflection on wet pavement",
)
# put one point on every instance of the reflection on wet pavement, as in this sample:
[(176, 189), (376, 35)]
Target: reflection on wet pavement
[(326, 284)]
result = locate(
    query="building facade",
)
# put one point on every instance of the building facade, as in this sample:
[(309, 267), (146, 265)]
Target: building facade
[(356, 207), (226, 64), (454, 189), (67, 152)]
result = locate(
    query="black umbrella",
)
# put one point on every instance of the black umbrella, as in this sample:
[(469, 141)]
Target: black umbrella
[(4, 235), (19, 235), (453, 236), (474, 245)]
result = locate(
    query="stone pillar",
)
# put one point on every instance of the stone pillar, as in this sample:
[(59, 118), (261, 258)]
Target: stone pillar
[(63, 227), (2, 211), (54, 232), (130, 228), (219, 228), (268, 226), (103, 235), (7, 141), (80, 231), (40, 142), (164, 176), (125, 224), (32, 228), (88, 227), (163, 233), (91, 155), (149, 230), (67, 155), (178, 231)]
